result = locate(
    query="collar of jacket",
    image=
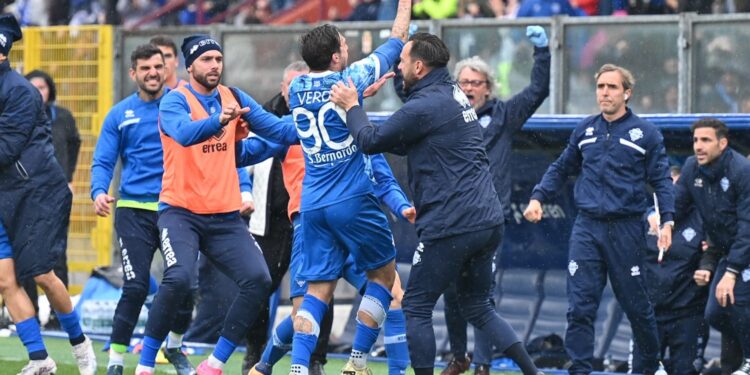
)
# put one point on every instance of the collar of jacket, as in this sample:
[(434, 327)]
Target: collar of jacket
[(620, 120), (434, 76), (5, 66), (718, 168), (487, 107)]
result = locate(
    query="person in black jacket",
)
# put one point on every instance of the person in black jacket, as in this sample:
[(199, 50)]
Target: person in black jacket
[(65, 137), (500, 121), (460, 218), (67, 142), (615, 155), (716, 181), (35, 210), (678, 299)]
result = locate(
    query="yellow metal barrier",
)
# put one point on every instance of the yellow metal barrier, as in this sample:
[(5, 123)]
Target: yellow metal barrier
[(81, 62)]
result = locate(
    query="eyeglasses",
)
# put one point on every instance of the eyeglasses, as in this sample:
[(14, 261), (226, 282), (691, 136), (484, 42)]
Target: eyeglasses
[(472, 83)]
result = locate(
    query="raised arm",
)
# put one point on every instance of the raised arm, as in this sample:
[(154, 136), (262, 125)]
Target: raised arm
[(175, 121), (400, 27), (514, 113), (267, 125)]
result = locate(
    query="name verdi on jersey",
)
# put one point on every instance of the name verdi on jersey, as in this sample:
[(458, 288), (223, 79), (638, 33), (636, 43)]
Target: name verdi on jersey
[(310, 97), (333, 156)]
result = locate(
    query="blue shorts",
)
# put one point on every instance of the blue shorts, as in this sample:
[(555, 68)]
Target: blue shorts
[(5, 250), (356, 226), (298, 287)]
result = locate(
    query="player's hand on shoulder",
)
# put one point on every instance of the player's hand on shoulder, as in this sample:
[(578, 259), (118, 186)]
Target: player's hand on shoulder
[(533, 212), (345, 95)]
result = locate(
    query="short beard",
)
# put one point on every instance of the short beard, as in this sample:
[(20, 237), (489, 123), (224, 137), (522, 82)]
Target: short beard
[(152, 93), (204, 82)]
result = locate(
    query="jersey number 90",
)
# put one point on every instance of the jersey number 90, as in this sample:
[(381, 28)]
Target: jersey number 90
[(317, 129)]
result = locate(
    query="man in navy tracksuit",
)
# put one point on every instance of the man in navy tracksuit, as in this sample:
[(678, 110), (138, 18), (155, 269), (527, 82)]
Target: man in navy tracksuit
[(500, 121), (615, 154), (678, 300), (716, 181), (459, 227), (34, 210)]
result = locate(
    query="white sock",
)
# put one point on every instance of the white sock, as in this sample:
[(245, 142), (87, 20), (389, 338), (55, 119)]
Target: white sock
[(141, 368), (116, 358), (174, 340), (359, 359), (215, 362), (298, 370)]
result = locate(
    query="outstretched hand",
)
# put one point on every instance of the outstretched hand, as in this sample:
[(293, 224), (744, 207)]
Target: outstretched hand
[(375, 87), (537, 36), (345, 95)]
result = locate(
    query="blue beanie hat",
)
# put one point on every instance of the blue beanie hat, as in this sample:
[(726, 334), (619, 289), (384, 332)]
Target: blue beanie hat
[(195, 45), (9, 32)]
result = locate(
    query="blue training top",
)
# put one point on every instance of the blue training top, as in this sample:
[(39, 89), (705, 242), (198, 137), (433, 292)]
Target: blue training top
[(333, 162)]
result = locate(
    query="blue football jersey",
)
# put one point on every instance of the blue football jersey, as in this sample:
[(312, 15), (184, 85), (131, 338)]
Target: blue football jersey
[(334, 166)]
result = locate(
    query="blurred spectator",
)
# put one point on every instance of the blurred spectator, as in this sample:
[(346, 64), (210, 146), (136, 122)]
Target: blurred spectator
[(590, 7), (59, 12), (246, 16), (334, 14), (364, 10), (133, 10), (32, 12), (548, 8), (725, 95), (434, 9), (700, 6), (65, 137), (478, 9), (387, 10), (86, 12)]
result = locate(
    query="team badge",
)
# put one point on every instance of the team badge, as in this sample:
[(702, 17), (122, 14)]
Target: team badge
[(635, 271), (635, 134), (129, 113), (698, 182), (688, 234), (572, 267), (484, 121), (589, 131), (724, 184), (746, 275)]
